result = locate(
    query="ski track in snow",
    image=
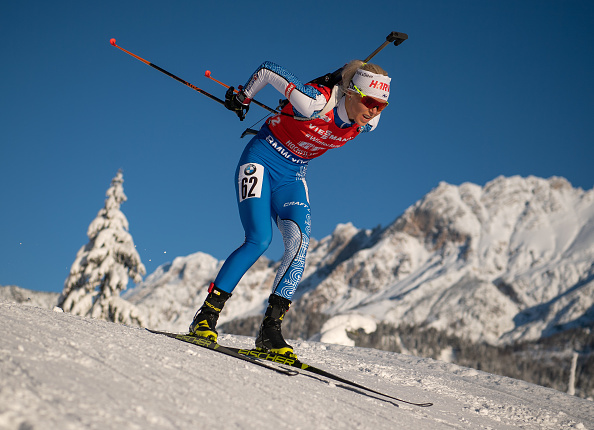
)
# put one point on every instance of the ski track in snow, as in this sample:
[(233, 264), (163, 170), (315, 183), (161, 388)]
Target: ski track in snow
[(60, 371)]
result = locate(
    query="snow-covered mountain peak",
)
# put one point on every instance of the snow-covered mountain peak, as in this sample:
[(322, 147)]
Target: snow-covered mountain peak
[(469, 259)]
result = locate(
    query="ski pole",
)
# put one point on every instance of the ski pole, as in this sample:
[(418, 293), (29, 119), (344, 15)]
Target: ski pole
[(171, 75), (262, 105), (395, 37)]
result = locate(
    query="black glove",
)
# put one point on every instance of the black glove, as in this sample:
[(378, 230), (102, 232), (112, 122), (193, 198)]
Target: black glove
[(238, 103)]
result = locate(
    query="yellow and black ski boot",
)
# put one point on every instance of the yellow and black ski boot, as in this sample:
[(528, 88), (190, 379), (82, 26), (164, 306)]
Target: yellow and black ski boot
[(270, 337), (207, 316)]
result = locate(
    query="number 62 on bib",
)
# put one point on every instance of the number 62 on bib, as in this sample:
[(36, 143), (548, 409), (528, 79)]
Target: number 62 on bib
[(250, 181)]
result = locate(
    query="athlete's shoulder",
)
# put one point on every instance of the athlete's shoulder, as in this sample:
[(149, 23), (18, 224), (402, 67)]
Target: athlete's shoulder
[(322, 89)]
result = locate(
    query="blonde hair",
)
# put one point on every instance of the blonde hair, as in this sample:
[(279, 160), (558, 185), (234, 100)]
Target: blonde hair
[(349, 70)]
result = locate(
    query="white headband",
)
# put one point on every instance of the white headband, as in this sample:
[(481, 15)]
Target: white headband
[(372, 84)]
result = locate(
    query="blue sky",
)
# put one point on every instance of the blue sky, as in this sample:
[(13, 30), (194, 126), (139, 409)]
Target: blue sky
[(480, 89)]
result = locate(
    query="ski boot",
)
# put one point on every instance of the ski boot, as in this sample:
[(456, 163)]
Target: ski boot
[(207, 316), (270, 337)]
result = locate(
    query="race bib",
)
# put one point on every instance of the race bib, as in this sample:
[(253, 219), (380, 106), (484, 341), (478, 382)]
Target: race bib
[(250, 181)]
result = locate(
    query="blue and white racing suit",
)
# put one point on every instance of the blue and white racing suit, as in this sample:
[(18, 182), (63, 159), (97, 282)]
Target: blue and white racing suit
[(270, 176)]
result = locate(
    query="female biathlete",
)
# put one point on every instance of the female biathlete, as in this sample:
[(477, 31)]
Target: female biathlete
[(271, 179)]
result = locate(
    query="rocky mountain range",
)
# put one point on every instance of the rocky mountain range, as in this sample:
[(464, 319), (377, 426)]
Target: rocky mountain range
[(511, 261)]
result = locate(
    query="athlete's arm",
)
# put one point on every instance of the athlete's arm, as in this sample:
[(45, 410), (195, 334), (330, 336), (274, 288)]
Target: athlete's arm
[(306, 100)]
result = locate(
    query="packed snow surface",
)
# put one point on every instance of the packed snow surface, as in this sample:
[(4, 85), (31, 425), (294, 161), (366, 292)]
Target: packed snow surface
[(61, 371)]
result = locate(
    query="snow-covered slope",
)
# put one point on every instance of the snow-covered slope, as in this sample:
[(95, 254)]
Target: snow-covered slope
[(513, 260), (42, 299), (61, 371)]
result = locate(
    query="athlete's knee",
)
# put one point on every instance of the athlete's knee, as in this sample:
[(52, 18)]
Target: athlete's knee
[(292, 233), (260, 243), (295, 232), (296, 241), (290, 271)]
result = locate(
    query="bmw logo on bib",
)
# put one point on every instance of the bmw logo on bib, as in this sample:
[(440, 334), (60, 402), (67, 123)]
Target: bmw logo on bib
[(250, 179), (250, 169)]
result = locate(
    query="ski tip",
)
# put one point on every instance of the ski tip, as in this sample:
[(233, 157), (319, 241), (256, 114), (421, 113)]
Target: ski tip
[(207, 73), (112, 41)]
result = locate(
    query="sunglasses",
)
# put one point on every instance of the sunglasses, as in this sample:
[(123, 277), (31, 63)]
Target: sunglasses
[(369, 102)]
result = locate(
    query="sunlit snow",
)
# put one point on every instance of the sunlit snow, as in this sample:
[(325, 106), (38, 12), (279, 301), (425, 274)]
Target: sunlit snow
[(61, 371)]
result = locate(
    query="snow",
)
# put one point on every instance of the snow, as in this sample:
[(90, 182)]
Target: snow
[(336, 328), (62, 371), (103, 266)]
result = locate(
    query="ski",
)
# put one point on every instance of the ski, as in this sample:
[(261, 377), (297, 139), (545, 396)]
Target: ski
[(294, 362), (214, 346), (260, 358)]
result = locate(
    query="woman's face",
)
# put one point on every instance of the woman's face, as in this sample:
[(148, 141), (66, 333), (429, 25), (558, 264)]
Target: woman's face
[(357, 111)]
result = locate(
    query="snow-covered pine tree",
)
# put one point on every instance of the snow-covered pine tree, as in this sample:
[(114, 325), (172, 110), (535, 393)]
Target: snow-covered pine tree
[(103, 266)]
